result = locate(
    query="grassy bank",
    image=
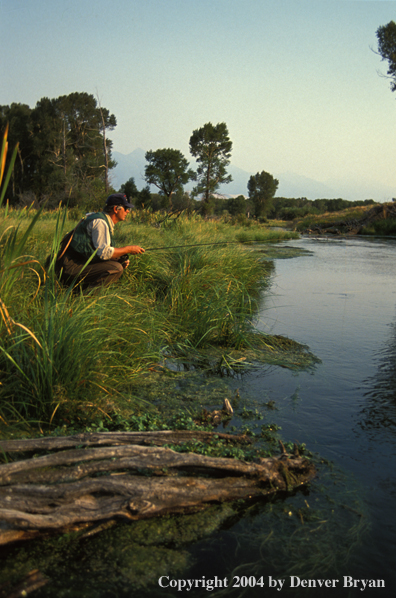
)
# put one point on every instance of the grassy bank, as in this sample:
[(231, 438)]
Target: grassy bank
[(378, 220), (382, 228), (69, 357), (327, 219)]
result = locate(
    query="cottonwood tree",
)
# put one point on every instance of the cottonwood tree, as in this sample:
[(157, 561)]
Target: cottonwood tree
[(108, 121), (63, 148), (84, 125), (237, 205), (262, 188), (211, 146), (386, 36), (168, 170), (129, 188)]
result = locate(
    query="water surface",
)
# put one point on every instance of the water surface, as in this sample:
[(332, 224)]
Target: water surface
[(340, 300)]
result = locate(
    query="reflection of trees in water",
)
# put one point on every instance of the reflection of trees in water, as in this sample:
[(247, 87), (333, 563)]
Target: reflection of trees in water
[(379, 412)]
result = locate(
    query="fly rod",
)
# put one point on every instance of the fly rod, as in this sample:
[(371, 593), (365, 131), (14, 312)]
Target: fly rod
[(201, 245)]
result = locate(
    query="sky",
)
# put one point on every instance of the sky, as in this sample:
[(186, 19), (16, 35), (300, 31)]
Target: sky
[(296, 81)]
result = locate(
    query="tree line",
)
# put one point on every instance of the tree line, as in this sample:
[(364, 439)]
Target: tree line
[(168, 170), (64, 154)]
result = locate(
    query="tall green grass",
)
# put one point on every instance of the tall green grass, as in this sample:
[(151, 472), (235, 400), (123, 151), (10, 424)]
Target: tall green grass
[(76, 360), (75, 355)]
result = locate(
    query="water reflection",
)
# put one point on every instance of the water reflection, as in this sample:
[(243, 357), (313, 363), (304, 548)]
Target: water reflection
[(379, 411)]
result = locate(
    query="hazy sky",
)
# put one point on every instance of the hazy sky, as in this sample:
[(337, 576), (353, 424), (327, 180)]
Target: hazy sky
[(296, 81)]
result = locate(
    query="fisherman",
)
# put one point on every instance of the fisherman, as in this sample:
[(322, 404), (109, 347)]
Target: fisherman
[(94, 235)]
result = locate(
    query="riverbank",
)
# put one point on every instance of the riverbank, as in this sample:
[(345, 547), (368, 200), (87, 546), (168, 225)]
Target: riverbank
[(192, 302), (379, 220)]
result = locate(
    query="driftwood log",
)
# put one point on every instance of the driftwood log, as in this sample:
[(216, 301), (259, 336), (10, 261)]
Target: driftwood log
[(122, 475)]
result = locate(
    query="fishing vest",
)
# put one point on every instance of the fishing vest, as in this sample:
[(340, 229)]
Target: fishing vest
[(81, 241)]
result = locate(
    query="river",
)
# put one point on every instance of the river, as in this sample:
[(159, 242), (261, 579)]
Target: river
[(340, 300)]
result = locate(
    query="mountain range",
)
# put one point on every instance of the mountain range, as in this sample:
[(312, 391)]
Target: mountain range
[(290, 184)]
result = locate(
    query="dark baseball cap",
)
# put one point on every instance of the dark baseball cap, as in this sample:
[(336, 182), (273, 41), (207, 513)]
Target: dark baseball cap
[(118, 199)]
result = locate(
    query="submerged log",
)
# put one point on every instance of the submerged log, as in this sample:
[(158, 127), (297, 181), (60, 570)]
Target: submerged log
[(80, 486)]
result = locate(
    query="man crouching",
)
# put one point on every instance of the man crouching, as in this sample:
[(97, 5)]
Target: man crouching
[(95, 234)]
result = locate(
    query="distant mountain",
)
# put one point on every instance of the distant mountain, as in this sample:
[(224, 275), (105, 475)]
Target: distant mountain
[(295, 185), (130, 165), (290, 184)]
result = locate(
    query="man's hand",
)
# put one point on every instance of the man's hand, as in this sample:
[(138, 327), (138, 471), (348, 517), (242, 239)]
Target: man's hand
[(135, 249), (124, 260), (129, 249)]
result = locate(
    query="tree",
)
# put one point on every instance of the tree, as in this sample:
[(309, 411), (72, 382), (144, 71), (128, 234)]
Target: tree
[(63, 150), (108, 121), (84, 125), (386, 36), (168, 170), (237, 205), (184, 201), (143, 199), (52, 152), (129, 189), (211, 146), (262, 188)]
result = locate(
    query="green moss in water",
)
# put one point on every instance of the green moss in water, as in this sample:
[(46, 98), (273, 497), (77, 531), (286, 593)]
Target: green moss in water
[(169, 389), (272, 252), (116, 560)]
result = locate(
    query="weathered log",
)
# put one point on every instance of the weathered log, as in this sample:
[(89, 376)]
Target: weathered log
[(157, 438), (68, 488), (127, 457), (135, 497)]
